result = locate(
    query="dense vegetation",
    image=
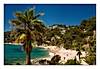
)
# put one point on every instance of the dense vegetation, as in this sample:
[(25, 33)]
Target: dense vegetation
[(80, 37)]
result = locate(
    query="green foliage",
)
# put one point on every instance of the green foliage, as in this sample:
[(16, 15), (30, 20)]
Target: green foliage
[(72, 62), (89, 24), (55, 60), (91, 60), (31, 29), (78, 63), (92, 44), (72, 36), (82, 48), (43, 62), (68, 46)]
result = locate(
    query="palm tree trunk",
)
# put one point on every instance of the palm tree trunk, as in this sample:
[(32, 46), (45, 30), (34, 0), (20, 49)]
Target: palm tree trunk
[(79, 56), (27, 52), (28, 62)]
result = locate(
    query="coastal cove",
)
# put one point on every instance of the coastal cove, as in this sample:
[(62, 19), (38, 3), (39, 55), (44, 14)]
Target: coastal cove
[(33, 41), (14, 54)]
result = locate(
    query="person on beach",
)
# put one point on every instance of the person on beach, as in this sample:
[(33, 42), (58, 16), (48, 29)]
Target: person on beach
[(64, 58)]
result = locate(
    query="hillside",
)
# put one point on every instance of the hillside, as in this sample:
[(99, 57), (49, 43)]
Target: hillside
[(80, 37)]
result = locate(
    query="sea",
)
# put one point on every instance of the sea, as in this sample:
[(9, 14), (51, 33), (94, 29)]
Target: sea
[(13, 54)]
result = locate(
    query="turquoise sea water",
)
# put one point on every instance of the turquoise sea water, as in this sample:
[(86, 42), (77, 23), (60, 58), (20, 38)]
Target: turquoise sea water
[(13, 54)]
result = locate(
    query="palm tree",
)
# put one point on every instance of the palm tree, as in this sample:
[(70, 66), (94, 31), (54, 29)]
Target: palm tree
[(79, 44), (79, 53), (27, 27)]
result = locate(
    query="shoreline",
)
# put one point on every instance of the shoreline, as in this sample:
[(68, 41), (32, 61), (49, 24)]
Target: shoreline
[(14, 43), (54, 50), (65, 54), (45, 57)]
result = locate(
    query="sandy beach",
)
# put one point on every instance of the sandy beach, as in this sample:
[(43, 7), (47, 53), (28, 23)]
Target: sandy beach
[(65, 54), (54, 50)]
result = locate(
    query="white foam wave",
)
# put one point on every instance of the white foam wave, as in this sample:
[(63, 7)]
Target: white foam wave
[(51, 54)]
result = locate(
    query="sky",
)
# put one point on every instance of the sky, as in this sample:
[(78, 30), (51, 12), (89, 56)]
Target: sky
[(66, 14)]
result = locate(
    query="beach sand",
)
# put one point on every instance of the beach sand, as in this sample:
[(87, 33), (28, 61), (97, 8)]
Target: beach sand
[(65, 54)]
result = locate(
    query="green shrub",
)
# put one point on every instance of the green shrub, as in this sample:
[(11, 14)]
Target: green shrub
[(83, 48), (55, 60), (43, 62), (78, 63), (91, 60), (72, 62)]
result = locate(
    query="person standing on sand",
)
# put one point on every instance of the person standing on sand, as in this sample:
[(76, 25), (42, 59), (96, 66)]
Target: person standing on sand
[(64, 58)]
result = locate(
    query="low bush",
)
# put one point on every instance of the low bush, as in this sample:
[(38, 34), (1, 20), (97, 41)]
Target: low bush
[(55, 60), (91, 60), (72, 62)]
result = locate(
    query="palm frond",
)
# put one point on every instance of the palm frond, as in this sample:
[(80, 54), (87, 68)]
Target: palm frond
[(19, 32), (33, 44), (38, 15), (18, 13), (19, 36), (28, 28), (16, 23), (26, 13), (79, 53), (22, 36), (17, 40), (20, 16), (38, 25), (29, 13), (24, 47), (37, 22)]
